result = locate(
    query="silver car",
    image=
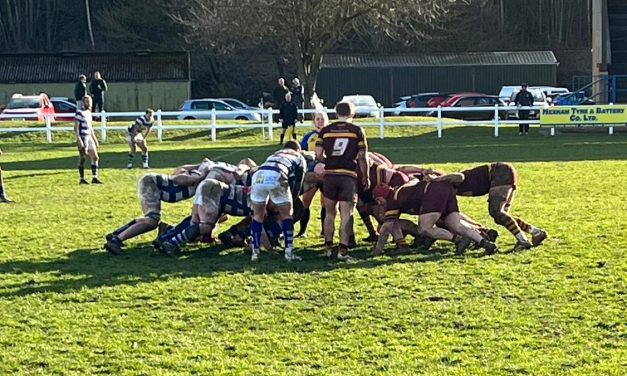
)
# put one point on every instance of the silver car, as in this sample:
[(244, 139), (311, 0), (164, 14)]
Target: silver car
[(201, 109)]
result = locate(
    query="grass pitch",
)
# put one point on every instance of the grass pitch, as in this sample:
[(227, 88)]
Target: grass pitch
[(67, 307)]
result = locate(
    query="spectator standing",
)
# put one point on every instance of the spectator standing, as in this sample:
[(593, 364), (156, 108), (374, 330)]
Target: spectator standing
[(523, 98), (80, 89), (288, 116), (279, 93), (298, 93), (3, 195), (97, 88)]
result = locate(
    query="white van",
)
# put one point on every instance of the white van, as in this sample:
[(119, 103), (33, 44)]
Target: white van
[(552, 91)]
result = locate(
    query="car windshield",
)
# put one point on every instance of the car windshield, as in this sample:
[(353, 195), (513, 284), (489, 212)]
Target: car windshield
[(234, 103), (23, 103), (537, 95)]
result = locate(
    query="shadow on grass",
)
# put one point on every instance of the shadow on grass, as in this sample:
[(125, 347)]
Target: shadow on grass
[(94, 268)]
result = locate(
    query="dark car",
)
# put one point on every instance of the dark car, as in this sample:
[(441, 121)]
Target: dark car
[(65, 108), (469, 101), (572, 99), (415, 101)]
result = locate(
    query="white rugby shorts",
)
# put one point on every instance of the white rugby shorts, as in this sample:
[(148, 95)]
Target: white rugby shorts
[(272, 184), (89, 143), (138, 138)]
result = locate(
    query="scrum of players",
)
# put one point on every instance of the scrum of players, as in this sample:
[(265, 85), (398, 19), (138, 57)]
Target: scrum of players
[(271, 197)]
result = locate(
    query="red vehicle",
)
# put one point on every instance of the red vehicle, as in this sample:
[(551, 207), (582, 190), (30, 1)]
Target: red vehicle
[(441, 98), (28, 107), (469, 100), (64, 108)]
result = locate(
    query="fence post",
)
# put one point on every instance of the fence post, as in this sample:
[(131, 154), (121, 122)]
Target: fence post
[(439, 123), (159, 126), (496, 120), (553, 131), (213, 125), (103, 126), (610, 130), (270, 133), (381, 123), (48, 128)]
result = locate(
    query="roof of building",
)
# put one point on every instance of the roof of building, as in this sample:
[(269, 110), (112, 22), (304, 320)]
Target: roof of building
[(114, 66), (440, 59)]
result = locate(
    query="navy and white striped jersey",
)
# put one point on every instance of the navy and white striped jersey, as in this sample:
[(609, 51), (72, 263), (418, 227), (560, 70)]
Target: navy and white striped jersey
[(172, 192), (234, 201), (83, 119), (140, 124), (289, 163)]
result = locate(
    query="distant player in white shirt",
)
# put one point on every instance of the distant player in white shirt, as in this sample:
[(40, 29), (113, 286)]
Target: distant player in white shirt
[(86, 141), (137, 135)]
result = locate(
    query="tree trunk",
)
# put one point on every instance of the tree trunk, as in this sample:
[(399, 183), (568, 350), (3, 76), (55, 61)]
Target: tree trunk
[(91, 32)]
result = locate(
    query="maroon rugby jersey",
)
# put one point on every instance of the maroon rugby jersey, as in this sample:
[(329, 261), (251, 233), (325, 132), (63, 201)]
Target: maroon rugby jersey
[(342, 142), (405, 199), (476, 181)]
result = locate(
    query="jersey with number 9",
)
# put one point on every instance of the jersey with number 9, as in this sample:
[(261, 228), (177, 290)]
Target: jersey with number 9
[(341, 142)]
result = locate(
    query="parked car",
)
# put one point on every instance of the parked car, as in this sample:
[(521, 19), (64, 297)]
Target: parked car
[(365, 105), (551, 92), (28, 107), (573, 99), (469, 101), (205, 106), (236, 103), (64, 108), (437, 100), (539, 99), (415, 101)]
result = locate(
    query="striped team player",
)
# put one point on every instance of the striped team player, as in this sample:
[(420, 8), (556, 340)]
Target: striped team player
[(279, 179), (86, 141), (152, 190), (137, 134), (213, 199)]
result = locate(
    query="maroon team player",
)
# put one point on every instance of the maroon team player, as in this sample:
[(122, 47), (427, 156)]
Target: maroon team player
[(342, 147), (430, 201), (498, 181)]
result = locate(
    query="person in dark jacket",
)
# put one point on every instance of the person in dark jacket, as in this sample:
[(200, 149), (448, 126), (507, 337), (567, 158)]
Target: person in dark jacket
[(298, 93), (80, 89), (523, 98), (97, 87), (288, 116)]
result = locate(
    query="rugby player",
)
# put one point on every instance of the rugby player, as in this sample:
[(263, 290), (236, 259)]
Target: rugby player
[(86, 141), (342, 147), (3, 195), (154, 189), (430, 201), (280, 179), (497, 180), (137, 134)]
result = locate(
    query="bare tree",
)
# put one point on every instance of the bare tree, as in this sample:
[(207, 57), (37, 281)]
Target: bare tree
[(89, 28), (308, 29)]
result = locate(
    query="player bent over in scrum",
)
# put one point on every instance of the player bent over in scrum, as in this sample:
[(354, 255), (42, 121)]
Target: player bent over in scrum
[(279, 179), (152, 190), (86, 141), (430, 201), (498, 181)]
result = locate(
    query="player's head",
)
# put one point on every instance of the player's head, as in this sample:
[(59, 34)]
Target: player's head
[(345, 109), (82, 78), (523, 86), (296, 81), (292, 145), (150, 113), (87, 102), (380, 193), (96, 75), (320, 120), (281, 81)]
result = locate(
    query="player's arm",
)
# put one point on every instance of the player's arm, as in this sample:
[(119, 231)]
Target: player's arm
[(148, 128), (93, 136), (188, 180), (362, 159), (455, 178), (79, 140), (320, 157)]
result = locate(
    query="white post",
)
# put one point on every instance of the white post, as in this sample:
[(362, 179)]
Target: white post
[(213, 125), (496, 120), (103, 126), (270, 134), (610, 130), (439, 123), (552, 131), (48, 128), (381, 123), (159, 126)]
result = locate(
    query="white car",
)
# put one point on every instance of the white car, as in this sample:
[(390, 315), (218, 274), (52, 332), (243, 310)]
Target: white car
[(539, 99), (365, 105)]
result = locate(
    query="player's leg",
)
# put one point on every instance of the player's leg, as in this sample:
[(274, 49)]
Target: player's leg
[(93, 155), (3, 195), (131, 152), (281, 197), (283, 131), (346, 227), (306, 198), (330, 207), (364, 210), (456, 225), (497, 200), (81, 165), (144, 148), (537, 235)]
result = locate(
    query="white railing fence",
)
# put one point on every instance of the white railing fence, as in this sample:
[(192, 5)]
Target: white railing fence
[(495, 117)]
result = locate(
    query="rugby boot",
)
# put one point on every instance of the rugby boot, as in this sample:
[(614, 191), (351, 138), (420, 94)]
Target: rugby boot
[(538, 237), (343, 257), (255, 255), (399, 250), (114, 246), (426, 244), (461, 245), (130, 165), (169, 249), (95, 180), (83, 181), (5, 199), (290, 257), (521, 246), (109, 236), (330, 251), (163, 227), (490, 248), (352, 244), (145, 165), (372, 238), (226, 239), (157, 244)]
